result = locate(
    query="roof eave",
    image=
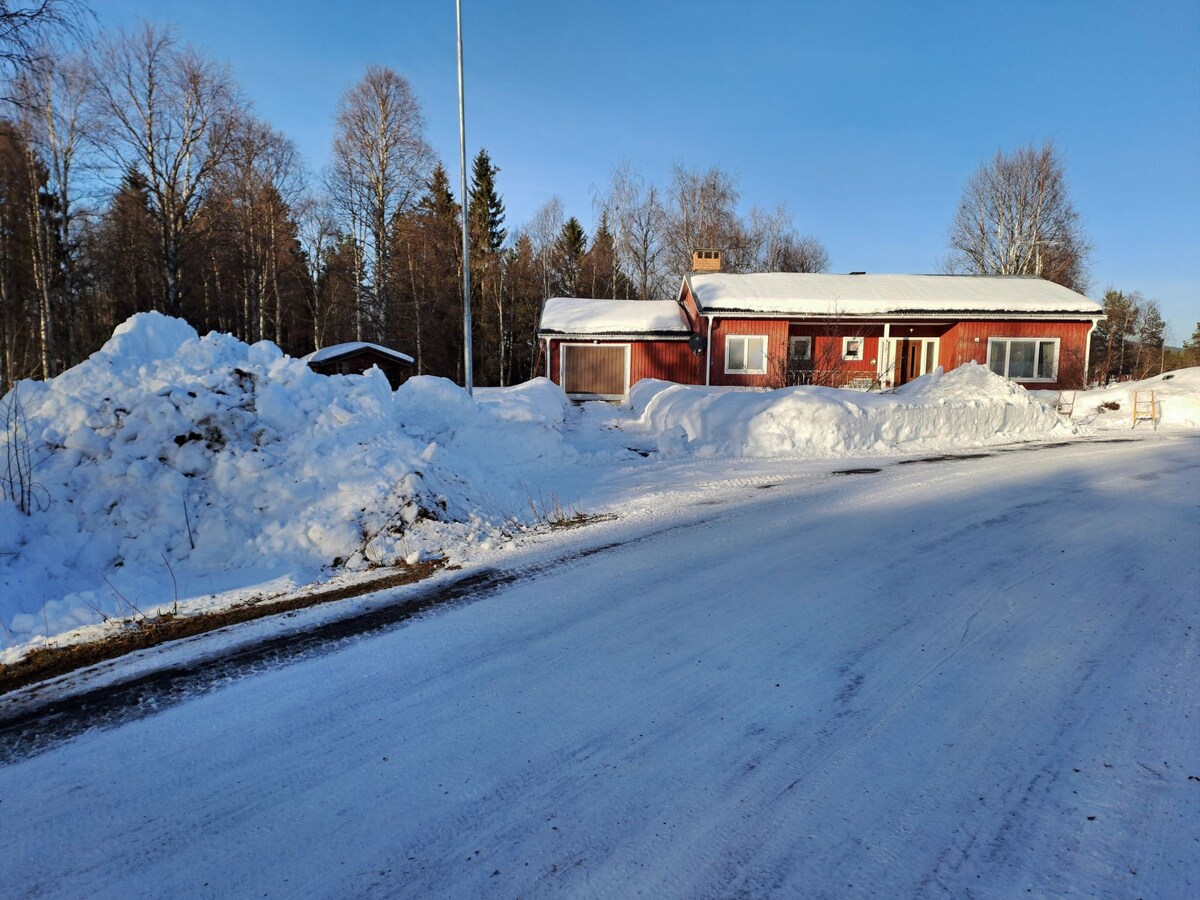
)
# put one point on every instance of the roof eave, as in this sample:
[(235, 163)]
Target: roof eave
[(904, 314), (613, 335)]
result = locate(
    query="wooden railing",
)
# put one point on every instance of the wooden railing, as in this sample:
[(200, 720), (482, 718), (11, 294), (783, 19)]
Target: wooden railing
[(843, 378)]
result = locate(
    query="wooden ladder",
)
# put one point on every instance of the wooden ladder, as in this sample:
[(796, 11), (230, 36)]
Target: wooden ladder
[(1065, 405), (1144, 407)]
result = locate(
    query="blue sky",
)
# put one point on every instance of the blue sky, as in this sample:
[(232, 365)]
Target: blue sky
[(864, 118)]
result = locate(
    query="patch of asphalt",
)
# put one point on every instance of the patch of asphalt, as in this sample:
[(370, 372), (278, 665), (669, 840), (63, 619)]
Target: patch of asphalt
[(37, 728)]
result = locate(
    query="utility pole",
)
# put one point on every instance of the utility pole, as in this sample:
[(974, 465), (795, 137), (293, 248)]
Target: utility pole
[(468, 373)]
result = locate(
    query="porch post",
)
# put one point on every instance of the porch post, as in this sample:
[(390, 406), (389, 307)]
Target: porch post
[(885, 352)]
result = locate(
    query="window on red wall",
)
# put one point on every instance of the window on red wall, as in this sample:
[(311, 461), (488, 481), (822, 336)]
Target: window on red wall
[(746, 354), (852, 348), (1024, 359)]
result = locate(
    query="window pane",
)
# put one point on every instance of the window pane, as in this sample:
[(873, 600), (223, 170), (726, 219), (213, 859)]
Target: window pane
[(998, 354), (1021, 358), (1046, 362), (737, 353), (756, 352), (929, 357)]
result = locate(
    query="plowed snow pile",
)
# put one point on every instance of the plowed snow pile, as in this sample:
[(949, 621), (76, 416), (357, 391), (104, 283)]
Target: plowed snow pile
[(169, 465), (220, 465), (969, 406)]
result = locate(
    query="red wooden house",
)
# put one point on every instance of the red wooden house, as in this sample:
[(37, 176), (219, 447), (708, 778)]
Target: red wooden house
[(857, 330)]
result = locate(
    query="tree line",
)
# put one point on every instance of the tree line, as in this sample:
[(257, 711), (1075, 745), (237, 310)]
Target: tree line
[(135, 176)]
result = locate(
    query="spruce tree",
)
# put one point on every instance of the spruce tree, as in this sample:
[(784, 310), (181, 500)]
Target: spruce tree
[(486, 209), (568, 258)]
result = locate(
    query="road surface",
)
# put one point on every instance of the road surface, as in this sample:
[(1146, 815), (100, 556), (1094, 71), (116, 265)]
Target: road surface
[(971, 678)]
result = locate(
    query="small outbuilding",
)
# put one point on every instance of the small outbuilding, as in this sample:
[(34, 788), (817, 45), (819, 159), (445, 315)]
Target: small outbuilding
[(355, 357), (596, 349)]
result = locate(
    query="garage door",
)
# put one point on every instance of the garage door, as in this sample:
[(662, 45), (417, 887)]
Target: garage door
[(595, 369)]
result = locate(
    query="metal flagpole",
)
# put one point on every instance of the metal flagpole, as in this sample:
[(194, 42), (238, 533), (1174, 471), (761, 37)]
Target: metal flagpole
[(468, 373)]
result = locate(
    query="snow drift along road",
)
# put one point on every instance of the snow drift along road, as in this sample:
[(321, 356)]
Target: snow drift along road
[(959, 679), (173, 464)]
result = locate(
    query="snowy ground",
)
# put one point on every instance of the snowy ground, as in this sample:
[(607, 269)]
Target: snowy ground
[(966, 678), (172, 472)]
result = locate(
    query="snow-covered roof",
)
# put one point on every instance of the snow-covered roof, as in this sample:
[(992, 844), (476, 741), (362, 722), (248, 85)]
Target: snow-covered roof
[(871, 295), (327, 353), (576, 315)]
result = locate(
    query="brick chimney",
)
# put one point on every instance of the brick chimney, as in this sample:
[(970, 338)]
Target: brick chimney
[(706, 260)]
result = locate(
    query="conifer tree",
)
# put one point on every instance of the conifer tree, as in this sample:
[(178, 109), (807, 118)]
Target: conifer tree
[(489, 295), (1191, 348), (487, 209), (427, 271), (568, 258)]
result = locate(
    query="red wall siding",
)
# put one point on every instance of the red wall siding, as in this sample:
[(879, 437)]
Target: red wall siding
[(776, 331), (674, 361), (689, 303), (968, 341), (668, 360)]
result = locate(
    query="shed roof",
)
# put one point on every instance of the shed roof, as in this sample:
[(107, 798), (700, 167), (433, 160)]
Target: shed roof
[(790, 293), (338, 350), (580, 316)]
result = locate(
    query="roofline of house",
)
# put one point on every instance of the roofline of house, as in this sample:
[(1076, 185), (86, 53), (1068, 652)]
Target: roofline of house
[(613, 335), (394, 355), (958, 314)]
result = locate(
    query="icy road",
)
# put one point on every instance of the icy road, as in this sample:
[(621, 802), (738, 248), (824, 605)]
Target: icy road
[(967, 678)]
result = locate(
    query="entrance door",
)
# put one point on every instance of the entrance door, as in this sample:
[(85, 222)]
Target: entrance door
[(908, 364), (913, 357), (799, 365)]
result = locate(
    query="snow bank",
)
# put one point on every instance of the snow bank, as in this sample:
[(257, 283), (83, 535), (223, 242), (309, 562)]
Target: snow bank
[(172, 463), (1177, 395), (968, 406)]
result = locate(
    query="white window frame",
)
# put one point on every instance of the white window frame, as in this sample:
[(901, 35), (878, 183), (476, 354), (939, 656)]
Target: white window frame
[(729, 339), (1037, 343), (862, 347)]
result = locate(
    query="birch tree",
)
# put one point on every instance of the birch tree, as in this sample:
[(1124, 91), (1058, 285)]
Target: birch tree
[(261, 181), (169, 114), (1016, 217), (27, 30), (701, 212), (638, 221), (317, 233), (777, 246), (57, 122), (380, 164)]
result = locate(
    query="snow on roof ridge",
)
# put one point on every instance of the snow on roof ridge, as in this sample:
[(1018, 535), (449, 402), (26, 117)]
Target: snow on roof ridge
[(336, 350), (584, 315), (819, 293)]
